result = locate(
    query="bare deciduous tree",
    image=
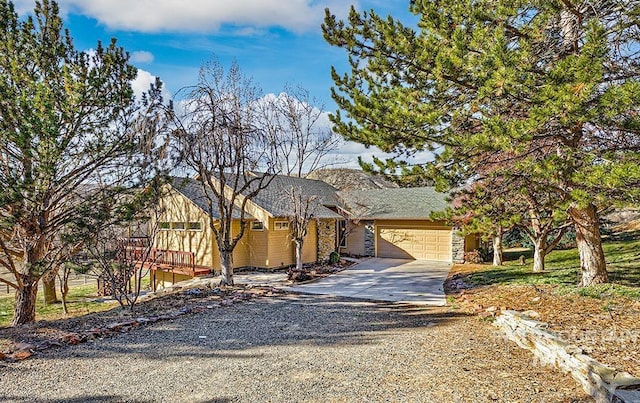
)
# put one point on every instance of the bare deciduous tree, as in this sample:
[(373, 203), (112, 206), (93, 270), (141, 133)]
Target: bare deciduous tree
[(302, 208), (220, 138), (299, 133)]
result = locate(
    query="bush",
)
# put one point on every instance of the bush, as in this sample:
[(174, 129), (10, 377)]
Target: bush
[(334, 257), (473, 256)]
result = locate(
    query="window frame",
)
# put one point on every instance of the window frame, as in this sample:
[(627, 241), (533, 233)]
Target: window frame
[(176, 227), (284, 225), (259, 228)]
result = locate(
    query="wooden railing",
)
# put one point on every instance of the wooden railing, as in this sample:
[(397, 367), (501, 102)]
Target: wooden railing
[(177, 258)]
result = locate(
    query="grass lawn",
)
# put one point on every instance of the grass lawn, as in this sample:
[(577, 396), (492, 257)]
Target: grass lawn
[(563, 269), (602, 320), (77, 302)]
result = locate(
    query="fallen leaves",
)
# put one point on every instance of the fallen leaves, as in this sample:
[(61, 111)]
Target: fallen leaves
[(608, 328)]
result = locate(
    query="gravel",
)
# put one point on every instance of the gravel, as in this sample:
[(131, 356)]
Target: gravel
[(295, 348)]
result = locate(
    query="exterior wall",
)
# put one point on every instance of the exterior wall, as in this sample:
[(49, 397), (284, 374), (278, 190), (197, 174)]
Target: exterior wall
[(241, 256), (164, 279), (267, 248), (177, 208), (281, 251), (471, 242), (327, 236), (355, 239), (258, 246), (310, 245)]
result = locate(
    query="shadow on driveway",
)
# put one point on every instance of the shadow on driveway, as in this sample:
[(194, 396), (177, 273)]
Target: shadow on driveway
[(380, 279)]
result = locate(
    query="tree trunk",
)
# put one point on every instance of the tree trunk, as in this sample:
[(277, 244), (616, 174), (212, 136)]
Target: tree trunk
[(592, 261), (25, 310), (49, 287), (539, 253), (299, 243), (497, 250), (226, 267)]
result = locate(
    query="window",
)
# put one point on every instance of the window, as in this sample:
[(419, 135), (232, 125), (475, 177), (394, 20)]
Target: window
[(178, 226), (165, 226), (195, 226), (342, 234), (256, 226), (281, 225)]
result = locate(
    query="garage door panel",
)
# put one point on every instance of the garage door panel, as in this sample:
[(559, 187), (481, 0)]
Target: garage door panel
[(414, 243)]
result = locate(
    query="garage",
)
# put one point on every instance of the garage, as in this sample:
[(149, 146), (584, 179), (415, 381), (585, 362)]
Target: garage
[(413, 242)]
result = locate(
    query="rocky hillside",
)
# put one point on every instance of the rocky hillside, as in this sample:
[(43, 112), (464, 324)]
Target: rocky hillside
[(351, 179)]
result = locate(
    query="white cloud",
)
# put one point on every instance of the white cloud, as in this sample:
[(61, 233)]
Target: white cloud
[(143, 81), (200, 15), (141, 56)]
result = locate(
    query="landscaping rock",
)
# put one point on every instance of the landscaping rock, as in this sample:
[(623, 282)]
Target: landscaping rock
[(596, 379)]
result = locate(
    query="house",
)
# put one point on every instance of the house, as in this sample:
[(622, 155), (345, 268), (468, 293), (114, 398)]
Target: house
[(184, 229), (397, 223), (386, 222)]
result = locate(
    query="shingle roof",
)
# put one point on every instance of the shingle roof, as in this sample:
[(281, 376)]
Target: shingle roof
[(274, 200), (402, 203), (192, 190)]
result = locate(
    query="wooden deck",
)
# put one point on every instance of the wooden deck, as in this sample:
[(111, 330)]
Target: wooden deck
[(174, 262)]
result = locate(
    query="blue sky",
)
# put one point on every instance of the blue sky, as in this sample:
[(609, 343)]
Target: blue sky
[(277, 42)]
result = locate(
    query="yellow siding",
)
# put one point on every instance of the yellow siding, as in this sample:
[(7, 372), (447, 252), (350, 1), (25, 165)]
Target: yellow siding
[(355, 239), (281, 251), (258, 247), (440, 224), (241, 251), (471, 242), (164, 279), (310, 246), (268, 248), (177, 208)]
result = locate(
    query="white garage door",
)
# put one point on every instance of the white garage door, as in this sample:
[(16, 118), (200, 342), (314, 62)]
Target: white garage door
[(413, 243)]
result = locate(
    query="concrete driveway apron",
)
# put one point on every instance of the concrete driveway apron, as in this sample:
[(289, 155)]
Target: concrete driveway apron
[(381, 279)]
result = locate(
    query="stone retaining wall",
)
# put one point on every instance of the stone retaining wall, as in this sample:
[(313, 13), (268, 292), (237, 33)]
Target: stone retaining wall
[(603, 383)]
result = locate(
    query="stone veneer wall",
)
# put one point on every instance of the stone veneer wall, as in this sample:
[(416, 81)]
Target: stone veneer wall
[(604, 383), (369, 238), (457, 246), (326, 239)]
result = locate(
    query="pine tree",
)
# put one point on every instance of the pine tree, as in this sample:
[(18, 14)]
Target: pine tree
[(547, 89), (73, 142)]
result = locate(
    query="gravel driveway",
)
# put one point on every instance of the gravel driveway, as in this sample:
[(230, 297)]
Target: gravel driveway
[(294, 348)]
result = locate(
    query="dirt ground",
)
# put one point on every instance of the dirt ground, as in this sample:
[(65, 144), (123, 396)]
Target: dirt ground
[(607, 329), (258, 344)]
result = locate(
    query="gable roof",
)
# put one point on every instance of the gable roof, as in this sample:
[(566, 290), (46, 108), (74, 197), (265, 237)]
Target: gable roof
[(273, 198), (400, 203), (192, 190)]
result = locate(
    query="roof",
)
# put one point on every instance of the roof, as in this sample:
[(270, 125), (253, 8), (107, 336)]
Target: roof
[(401, 203), (192, 190), (274, 200)]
